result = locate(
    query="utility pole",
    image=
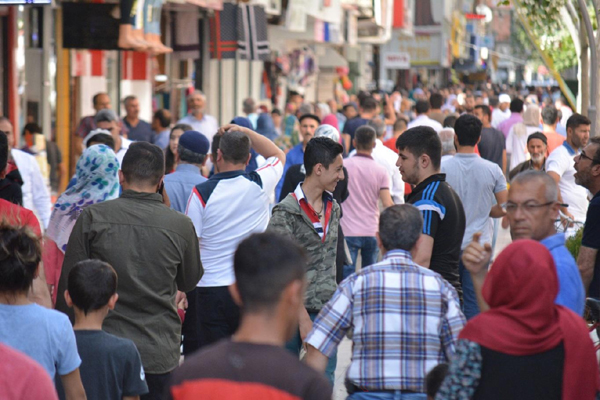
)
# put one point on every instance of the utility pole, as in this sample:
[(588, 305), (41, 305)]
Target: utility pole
[(593, 60)]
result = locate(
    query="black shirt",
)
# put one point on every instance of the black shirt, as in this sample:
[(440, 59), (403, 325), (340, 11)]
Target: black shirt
[(591, 239), (350, 128), (110, 366), (234, 370), (443, 220), (533, 377), (491, 146)]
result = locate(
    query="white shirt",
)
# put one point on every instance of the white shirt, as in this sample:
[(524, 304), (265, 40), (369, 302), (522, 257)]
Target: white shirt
[(125, 143), (499, 116), (208, 125), (388, 158), (36, 196), (225, 210), (424, 120), (516, 143), (561, 162)]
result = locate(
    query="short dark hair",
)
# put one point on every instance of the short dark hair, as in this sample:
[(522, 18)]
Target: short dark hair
[(449, 121), (189, 156), (248, 106), (468, 130), (20, 252), (368, 104), (95, 98), (596, 157), (91, 284), (400, 124), (128, 99), (577, 119), (309, 116), (101, 138), (235, 147), (364, 137), (485, 110), (436, 100), (32, 127), (276, 111), (264, 265), (320, 150), (516, 105), (435, 378), (163, 117), (400, 227), (3, 151), (549, 115), (422, 107), (347, 106), (144, 163), (422, 140)]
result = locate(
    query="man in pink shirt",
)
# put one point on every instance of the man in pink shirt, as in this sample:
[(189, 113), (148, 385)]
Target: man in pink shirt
[(368, 182), (516, 109)]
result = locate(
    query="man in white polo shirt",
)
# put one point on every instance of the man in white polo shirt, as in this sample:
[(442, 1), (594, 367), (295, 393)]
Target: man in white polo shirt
[(560, 166), (225, 210)]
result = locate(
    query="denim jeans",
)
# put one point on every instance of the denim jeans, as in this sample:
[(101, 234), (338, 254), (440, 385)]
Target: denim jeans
[(295, 345), (367, 245), (469, 307), (398, 395)]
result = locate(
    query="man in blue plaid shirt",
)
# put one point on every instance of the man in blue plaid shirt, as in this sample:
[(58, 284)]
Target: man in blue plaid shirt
[(404, 319)]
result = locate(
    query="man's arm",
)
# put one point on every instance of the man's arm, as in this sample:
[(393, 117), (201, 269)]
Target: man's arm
[(316, 359), (386, 198), (347, 139), (397, 190), (39, 292), (73, 387), (41, 196), (564, 210), (475, 258), (497, 211), (422, 254), (190, 270), (586, 262), (504, 162), (260, 143)]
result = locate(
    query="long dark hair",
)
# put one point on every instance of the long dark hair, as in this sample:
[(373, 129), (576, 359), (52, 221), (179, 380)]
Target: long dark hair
[(169, 156)]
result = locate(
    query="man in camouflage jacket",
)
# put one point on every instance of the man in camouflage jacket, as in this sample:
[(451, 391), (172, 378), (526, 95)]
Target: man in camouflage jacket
[(311, 217)]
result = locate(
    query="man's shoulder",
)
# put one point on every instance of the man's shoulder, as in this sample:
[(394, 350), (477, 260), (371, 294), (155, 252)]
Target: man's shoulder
[(106, 342)]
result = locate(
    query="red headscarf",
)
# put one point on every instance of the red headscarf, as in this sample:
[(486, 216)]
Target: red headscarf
[(523, 319), (331, 119)]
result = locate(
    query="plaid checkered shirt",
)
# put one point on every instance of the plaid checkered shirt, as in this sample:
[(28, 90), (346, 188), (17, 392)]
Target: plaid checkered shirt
[(404, 320)]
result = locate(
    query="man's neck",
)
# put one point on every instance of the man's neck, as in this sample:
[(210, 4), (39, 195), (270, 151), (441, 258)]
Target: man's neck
[(198, 115), (118, 143), (487, 124), (367, 153), (570, 142), (548, 128), (199, 166), (551, 232), (436, 110), (465, 149), (428, 174), (261, 328), (139, 189), (367, 115), (422, 115), (594, 188), (539, 166), (90, 322), (133, 121), (312, 190), (14, 299), (228, 167)]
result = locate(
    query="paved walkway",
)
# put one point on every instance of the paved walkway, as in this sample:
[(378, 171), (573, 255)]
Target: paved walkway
[(345, 348)]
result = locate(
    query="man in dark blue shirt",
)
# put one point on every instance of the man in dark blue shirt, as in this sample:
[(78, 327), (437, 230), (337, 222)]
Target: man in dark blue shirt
[(368, 110), (139, 131)]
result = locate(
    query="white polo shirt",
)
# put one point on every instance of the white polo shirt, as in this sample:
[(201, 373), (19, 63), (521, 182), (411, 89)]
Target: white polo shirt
[(225, 210), (424, 120), (561, 162)]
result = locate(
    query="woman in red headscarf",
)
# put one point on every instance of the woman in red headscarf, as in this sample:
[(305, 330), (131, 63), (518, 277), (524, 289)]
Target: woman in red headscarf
[(525, 346)]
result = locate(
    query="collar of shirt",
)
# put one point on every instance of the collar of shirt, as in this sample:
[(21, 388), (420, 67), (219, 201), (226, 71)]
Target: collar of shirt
[(187, 168), (432, 178), (357, 154), (570, 149), (554, 241), (132, 194), (228, 174), (312, 214), (398, 253)]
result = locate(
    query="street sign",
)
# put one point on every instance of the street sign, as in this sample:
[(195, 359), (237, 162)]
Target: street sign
[(396, 60)]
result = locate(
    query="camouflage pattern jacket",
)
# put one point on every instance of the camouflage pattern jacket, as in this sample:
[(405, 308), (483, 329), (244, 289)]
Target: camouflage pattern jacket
[(288, 218)]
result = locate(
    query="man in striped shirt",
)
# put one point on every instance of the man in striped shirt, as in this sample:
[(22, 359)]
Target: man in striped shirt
[(404, 319)]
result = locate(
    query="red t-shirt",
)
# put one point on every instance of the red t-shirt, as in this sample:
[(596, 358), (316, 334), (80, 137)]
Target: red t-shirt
[(391, 144), (23, 378), (17, 215)]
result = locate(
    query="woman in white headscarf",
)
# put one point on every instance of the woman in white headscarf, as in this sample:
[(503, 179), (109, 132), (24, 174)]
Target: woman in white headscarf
[(516, 141)]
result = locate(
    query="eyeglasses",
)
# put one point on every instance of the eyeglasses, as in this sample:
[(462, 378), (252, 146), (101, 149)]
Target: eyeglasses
[(583, 155), (527, 208)]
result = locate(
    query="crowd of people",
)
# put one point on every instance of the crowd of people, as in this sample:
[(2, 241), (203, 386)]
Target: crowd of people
[(191, 260)]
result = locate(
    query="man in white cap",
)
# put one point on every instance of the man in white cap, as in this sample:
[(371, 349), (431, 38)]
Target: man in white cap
[(501, 113)]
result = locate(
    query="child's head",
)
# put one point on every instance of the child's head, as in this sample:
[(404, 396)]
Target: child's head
[(20, 254), (92, 285), (434, 379)]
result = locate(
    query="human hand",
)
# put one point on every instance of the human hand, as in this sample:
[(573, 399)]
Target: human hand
[(567, 219), (476, 256), (181, 300), (232, 128)]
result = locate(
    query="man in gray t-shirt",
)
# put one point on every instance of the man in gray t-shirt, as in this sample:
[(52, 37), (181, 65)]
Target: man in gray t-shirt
[(481, 186)]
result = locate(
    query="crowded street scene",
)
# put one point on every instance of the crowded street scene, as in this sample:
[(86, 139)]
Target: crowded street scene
[(299, 199)]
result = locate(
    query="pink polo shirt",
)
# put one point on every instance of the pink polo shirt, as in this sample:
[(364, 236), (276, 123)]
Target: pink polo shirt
[(361, 209)]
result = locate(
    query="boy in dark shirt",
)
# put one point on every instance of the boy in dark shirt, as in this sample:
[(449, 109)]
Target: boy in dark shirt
[(111, 367)]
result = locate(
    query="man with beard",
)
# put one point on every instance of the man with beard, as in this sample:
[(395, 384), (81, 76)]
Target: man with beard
[(587, 167), (560, 167), (537, 145)]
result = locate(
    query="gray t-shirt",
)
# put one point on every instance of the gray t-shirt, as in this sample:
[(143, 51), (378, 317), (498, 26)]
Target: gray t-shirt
[(110, 366), (476, 181)]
